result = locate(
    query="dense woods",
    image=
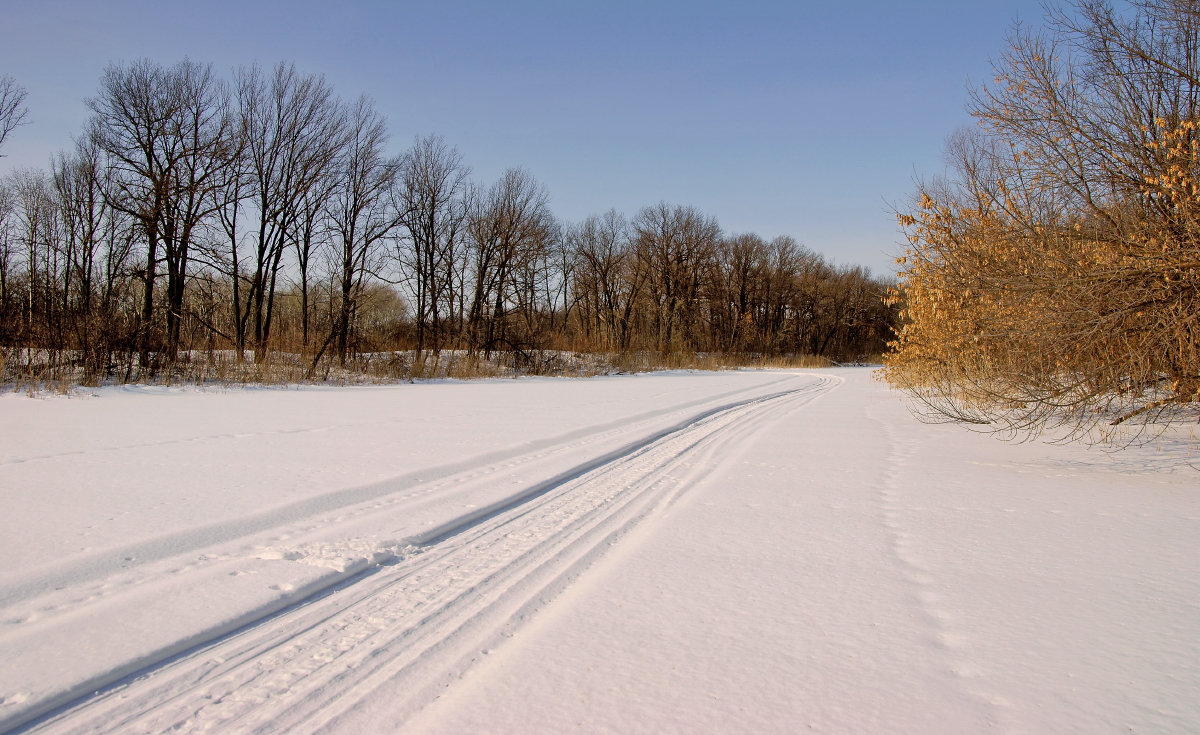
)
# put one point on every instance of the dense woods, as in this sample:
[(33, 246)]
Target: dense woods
[(200, 219), (1054, 276)]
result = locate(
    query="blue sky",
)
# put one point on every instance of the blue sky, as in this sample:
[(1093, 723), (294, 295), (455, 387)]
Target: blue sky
[(800, 118)]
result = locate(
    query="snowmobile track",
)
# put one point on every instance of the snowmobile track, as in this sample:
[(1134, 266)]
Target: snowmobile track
[(393, 637)]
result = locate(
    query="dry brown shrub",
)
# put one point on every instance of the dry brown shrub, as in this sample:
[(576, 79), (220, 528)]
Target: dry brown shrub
[(1055, 278)]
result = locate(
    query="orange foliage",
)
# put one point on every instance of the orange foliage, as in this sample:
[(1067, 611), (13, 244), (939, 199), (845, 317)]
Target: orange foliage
[(1056, 278)]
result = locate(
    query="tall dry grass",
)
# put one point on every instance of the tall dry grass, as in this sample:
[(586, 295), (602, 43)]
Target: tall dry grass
[(36, 371)]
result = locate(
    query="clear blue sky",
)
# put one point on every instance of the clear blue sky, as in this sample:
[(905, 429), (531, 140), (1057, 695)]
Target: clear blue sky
[(800, 118)]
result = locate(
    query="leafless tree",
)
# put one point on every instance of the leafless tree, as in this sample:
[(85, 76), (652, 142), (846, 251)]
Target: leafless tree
[(205, 129), (77, 184), (131, 123), (95, 243), (785, 262), (608, 281), (432, 197), (166, 134), (279, 189), (12, 107), (294, 130), (9, 251), (312, 231), (232, 188), (360, 209), (676, 245), (538, 282), (562, 260), (737, 278), (507, 227), (38, 237)]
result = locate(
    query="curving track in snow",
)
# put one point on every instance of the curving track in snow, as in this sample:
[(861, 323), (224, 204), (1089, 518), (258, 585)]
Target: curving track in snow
[(393, 617)]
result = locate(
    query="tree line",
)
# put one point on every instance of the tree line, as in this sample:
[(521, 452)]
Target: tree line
[(1054, 276), (263, 213)]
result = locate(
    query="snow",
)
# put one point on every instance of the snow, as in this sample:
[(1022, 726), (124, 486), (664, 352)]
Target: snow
[(766, 551)]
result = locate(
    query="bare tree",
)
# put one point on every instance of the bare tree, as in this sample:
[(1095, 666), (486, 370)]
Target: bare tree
[(184, 204), (538, 285), (204, 130), (785, 261), (131, 123), (37, 235), (312, 230), (507, 227), (562, 260), (736, 280), (607, 281), (294, 130), (432, 196), (232, 188), (676, 245), (9, 250), (77, 184), (166, 134), (12, 107), (94, 243), (360, 209)]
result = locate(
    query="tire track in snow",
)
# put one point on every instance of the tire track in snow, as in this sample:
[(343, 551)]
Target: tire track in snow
[(324, 428), (428, 483), (413, 626)]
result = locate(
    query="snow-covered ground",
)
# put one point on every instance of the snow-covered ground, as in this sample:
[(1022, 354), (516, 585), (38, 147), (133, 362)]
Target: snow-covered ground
[(687, 552)]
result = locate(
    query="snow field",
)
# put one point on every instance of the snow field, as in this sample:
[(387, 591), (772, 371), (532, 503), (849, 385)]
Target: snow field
[(753, 551), (177, 576), (846, 569)]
